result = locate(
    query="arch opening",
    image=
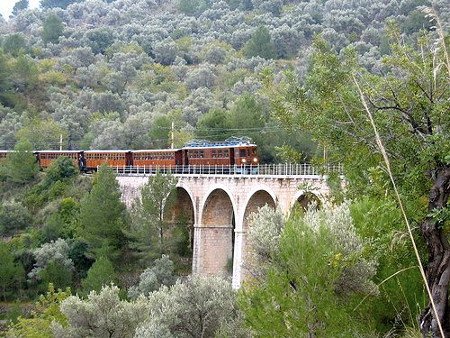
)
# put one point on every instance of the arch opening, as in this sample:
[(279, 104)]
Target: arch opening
[(217, 234), (256, 201), (307, 200), (180, 215)]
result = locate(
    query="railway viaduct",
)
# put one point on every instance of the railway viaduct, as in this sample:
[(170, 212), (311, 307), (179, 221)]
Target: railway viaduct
[(217, 207)]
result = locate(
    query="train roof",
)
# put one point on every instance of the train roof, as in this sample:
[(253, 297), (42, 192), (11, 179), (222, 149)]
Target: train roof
[(154, 150), (221, 147), (58, 151), (107, 151), (228, 143)]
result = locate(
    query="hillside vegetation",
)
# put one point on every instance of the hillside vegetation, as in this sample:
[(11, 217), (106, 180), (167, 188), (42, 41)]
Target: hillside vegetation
[(358, 82), (115, 74)]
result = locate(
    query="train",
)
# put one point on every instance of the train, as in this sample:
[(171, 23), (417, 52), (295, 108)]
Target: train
[(233, 152)]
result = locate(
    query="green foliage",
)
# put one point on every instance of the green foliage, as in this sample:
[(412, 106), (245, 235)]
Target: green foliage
[(402, 296), (157, 197), (265, 229), (260, 44), (21, 163), (12, 274), (103, 215), (52, 28), (215, 123), (62, 224), (286, 153), (161, 273), (57, 3), (42, 133), (53, 264), (61, 169), (314, 282), (101, 273), (171, 311), (46, 312), (20, 6), (15, 44), (14, 216), (56, 273), (193, 7), (102, 314)]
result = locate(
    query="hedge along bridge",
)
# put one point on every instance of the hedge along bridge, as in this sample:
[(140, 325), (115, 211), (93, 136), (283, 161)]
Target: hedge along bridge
[(216, 203)]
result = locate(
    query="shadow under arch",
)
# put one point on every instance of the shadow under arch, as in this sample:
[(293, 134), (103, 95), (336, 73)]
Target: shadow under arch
[(307, 200), (217, 234), (259, 199), (180, 215)]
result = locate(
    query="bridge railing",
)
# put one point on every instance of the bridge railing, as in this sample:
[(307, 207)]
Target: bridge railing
[(285, 169)]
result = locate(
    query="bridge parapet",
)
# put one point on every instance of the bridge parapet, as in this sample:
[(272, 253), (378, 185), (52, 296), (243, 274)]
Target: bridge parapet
[(285, 169)]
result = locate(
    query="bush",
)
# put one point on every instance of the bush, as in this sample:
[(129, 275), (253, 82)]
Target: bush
[(14, 216), (161, 273)]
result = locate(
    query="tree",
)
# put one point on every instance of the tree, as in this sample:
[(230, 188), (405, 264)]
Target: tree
[(161, 273), (21, 164), (11, 273), (20, 6), (14, 216), (215, 122), (52, 29), (157, 196), (101, 315), (260, 44), (53, 264), (42, 133), (316, 276), (101, 273), (61, 169), (265, 229), (103, 215), (46, 4), (15, 44), (411, 116), (46, 311), (203, 305)]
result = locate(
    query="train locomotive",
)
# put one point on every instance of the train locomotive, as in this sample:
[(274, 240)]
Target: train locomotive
[(239, 153)]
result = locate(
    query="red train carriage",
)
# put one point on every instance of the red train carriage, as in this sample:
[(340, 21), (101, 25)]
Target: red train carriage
[(157, 158), (112, 158), (46, 157), (224, 153)]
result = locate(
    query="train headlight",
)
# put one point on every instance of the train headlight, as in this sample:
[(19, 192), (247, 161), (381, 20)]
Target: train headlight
[(244, 160), (255, 159)]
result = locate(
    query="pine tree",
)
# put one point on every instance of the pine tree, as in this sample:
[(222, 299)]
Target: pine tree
[(21, 163), (103, 215)]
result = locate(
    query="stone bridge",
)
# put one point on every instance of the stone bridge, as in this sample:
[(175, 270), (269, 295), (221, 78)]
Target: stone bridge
[(218, 207)]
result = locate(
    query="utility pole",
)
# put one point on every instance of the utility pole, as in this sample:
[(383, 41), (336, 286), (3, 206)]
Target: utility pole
[(60, 141), (171, 136)]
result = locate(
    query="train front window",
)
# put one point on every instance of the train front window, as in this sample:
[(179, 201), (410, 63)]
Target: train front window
[(242, 153)]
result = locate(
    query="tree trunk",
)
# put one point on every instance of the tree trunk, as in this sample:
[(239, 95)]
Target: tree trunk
[(437, 270)]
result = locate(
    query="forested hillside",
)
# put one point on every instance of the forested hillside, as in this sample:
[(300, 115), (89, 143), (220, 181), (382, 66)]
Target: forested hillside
[(115, 74), (358, 82)]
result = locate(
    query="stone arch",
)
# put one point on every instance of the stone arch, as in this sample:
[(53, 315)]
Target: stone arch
[(181, 216), (257, 200), (216, 233), (304, 198)]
